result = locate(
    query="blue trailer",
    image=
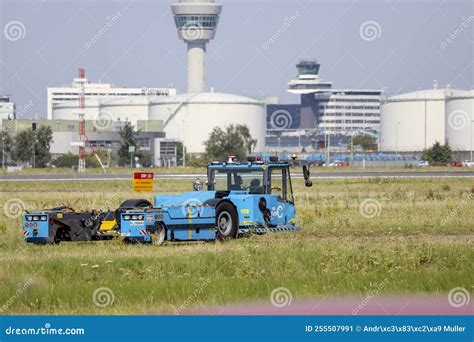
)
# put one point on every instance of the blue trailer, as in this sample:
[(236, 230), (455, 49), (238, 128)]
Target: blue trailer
[(64, 224), (241, 198)]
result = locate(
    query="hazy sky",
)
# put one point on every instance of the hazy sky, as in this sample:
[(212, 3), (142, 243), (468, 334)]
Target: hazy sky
[(397, 45)]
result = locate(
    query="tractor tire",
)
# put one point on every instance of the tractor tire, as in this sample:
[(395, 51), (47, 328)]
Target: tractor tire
[(131, 204), (135, 203), (227, 221), (158, 234)]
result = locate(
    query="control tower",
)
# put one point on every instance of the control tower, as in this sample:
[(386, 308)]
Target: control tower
[(308, 81), (308, 85), (196, 21)]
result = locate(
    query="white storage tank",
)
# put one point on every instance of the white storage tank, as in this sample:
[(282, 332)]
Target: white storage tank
[(68, 110), (412, 122), (194, 116), (129, 109), (460, 120)]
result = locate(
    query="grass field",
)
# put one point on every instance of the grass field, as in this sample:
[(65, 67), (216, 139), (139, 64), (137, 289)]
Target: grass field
[(411, 235)]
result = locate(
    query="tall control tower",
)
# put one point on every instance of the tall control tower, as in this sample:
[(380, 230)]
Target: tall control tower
[(196, 21), (308, 85)]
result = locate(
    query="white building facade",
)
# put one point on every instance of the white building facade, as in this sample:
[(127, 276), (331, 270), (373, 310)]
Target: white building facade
[(348, 111), (61, 97), (7, 108)]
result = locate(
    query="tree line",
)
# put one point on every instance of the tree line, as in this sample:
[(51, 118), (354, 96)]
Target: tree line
[(29, 146), (32, 147)]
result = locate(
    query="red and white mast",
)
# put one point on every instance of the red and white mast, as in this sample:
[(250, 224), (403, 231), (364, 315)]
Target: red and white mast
[(82, 122)]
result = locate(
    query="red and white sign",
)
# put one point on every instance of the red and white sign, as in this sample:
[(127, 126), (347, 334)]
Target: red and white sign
[(143, 182)]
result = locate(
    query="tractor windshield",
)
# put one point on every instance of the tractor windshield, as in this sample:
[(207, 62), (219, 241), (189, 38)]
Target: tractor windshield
[(281, 184), (237, 180)]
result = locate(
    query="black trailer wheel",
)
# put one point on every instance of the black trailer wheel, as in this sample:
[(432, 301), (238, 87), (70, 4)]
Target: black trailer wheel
[(226, 221), (158, 234)]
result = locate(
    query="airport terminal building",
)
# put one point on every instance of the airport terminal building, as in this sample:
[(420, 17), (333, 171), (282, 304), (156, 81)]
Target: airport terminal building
[(323, 110)]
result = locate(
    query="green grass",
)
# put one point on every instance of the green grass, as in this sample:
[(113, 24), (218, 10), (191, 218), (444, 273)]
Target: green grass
[(409, 245)]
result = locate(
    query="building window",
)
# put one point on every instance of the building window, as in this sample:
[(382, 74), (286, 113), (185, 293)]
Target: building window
[(205, 21)]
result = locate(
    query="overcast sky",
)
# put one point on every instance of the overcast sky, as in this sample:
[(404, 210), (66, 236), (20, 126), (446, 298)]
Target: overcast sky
[(397, 45)]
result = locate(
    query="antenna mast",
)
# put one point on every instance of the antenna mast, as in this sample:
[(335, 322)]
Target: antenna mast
[(82, 123)]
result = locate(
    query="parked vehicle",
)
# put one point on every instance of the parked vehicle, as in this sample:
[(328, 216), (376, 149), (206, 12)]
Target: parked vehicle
[(339, 163), (318, 163), (468, 163), (423, 163)]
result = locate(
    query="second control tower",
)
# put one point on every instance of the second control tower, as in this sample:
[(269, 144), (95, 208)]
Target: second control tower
[(196, 21)]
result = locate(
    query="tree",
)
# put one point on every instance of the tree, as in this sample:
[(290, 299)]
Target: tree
[(43, 138), (71, 160), (91, 159), (128, 137), (7, 146), (366, 141), (179, 153), (196, 161), (23, 149), (144, 159), (438, 154), (234, 139), (244, 132), (66, 160)]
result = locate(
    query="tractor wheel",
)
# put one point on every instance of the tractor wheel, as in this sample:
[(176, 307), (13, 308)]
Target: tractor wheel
[(158, 235), (226, 221), (135, 203), (131, 204)]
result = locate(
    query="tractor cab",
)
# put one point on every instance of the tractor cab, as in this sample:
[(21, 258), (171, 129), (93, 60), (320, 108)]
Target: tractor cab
[(254, 178), (266, 184)]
